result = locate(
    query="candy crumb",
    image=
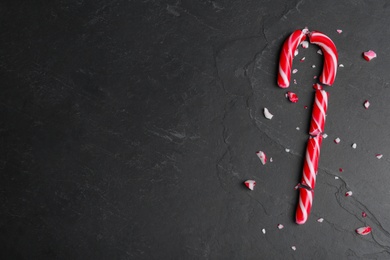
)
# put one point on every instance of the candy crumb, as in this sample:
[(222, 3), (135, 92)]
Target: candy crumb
[(302, 59), (294, 71), (339, 31), (348, 194), (294, 248), (262, 157), (319, 52), (366, 104), (369, 55), (341, 65), (313, 66), (336, 177), (364, 230), (337, 140), (320, 220), (263, 230), (296, 52), (250, 184), (287, 150), (267, 114), (354, 145), (305, 44), (379, 156), (280, 226), (364, 214), (324, 135)]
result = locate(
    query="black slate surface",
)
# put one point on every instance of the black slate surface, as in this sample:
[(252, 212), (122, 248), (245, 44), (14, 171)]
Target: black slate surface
[(129, 127)]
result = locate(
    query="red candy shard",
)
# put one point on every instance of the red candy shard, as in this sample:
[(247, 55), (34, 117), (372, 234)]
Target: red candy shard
[(250, 184), (341, 170), (317, 86), (262, 157), (366, 104), (348, 194), (364, 230), (364, 214), (280, 226), (369, 55), (379, 156), (292, 97), (337, 140)]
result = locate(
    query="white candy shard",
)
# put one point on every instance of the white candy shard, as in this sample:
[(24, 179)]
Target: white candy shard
[(280, 226), (263, 230), (294, 248), (337, 140), (271, 160), (303, 59), (366, 104), (262, 157), (295, 81), (379, 155), (354, 145), (341, 65), (336, 177), (287, 150), (296, 52), (348, 194), (313, 66), (267, 114), (319, 52), (369, 55), (324, 135), (339, 31), (305, 44), (294, 71), (320, 220), (250, 184), (364, 230), (297, 128)]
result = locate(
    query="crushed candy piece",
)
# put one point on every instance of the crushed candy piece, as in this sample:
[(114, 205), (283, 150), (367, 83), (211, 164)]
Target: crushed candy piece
[(267, 114), (250, 184), (287, 150), (294, 248), (294, 71), (366, 104), (305, 44), (296, 52), (317, 86), (271, 160), (314, 77), (348, 194), (364, 230), (297, 128), (280, 226), (302, 59), (354, 145), (263, 230), (295, 81), (341, 170), (369, 55), (319, 52), (337, 140), (297, 186), (379, 156), (320, 220), (324, 135), (313, 66), (336, 177), (262, 157), (364, 214), (339, 31), (341, 65), (305, 107), (292, 97)]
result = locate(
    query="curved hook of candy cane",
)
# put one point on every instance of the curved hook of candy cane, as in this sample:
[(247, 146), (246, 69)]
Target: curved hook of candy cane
[(287, 55), (330, 56)]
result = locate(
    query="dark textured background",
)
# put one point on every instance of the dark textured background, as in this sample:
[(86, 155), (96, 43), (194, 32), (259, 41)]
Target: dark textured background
[(128, 128)]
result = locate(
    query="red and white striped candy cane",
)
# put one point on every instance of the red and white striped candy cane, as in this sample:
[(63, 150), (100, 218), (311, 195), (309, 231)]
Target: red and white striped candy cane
[(287, 55), (308, 182), (307, 185), (330, 56)]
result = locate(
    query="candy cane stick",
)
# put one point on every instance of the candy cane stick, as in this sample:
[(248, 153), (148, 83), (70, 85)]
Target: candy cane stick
[(308, 183), (330, 56), (287, 55), (319, 113)]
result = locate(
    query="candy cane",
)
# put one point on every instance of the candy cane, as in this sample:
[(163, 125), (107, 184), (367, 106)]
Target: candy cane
[(287, 55), (317, 124)]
